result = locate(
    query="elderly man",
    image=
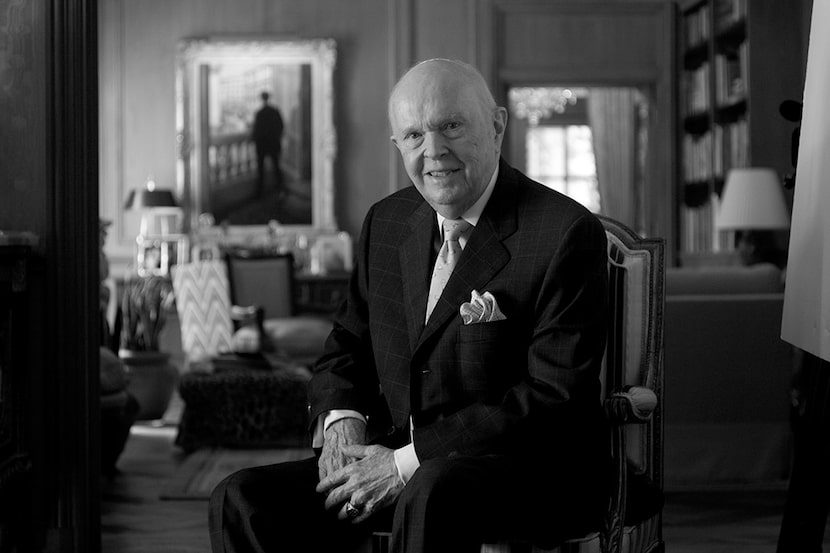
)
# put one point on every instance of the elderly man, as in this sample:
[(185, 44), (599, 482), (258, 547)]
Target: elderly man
[(458, 398)]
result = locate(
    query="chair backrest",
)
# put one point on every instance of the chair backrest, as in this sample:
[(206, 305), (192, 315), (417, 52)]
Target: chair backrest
[(634, 352), (204, 308), (263, 281)]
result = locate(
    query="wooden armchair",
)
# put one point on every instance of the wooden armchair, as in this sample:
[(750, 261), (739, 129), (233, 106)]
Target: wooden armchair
[(633, 392), (632, 396)]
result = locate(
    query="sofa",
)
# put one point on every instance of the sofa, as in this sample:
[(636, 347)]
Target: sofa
[(727, 378)]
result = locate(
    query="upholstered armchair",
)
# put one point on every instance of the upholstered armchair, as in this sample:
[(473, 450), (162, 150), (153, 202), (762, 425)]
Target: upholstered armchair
[(265, 283)]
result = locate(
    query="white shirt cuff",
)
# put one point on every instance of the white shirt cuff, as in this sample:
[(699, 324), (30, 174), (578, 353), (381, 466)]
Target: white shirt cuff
[(327, 419), (406, 461)]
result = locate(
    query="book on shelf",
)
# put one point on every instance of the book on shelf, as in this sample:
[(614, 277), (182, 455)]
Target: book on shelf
[(697, 25), (697, 228), (731, 147), (729, 12), (700, 233), (730, 77), (697, 157), (696, 89)]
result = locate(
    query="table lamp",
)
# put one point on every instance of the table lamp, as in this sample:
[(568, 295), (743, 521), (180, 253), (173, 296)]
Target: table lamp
[(157, 205), (753, 204), (158, 231)]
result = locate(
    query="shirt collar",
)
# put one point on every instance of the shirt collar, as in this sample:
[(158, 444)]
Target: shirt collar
[(473, 214)]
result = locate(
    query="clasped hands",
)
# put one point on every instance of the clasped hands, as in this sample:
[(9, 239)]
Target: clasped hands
[(353, 474)]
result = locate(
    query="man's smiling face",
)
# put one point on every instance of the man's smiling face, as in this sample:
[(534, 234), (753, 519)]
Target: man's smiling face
[(449, 139)]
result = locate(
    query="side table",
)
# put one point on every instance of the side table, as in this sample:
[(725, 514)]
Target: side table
[(320, 293)]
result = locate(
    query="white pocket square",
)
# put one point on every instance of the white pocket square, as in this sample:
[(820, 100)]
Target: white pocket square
[(482, 308)]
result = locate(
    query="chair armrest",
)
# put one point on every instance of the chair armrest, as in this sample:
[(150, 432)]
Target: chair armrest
[(634, 404)]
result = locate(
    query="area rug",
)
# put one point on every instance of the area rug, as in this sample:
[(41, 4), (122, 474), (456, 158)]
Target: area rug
[(203, 469)]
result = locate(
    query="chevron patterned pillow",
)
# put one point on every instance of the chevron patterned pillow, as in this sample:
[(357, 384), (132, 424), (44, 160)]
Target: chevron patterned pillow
[(204, 306)]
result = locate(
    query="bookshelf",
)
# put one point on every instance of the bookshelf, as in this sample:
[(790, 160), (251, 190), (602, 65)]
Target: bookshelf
[(738, 61)]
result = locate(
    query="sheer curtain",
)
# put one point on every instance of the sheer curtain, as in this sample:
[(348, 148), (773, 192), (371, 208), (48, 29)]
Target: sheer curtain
[(615, 120)]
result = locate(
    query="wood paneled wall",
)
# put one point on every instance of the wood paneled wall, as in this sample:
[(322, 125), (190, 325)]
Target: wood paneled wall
[(511, 41), (138, 48), (48, 176)]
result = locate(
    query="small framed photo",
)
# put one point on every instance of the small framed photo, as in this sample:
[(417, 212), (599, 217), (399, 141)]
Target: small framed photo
[(156, 254), (331, 253)]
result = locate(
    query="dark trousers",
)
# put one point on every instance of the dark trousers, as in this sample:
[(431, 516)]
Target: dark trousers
[(449, 505), (274, 155), (808, 497)]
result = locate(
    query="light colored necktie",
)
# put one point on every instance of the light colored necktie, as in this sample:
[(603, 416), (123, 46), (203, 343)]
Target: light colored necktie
[(447, 258)]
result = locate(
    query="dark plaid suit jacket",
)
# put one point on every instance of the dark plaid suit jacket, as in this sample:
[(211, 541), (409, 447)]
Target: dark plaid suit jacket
[(525, 385)]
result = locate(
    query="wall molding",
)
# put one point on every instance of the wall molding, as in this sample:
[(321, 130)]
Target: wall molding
[(111, 128), (70, 336), (402, 48)]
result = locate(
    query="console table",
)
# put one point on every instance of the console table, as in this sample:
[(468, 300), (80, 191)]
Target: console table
[(320, 293), (315, 293)]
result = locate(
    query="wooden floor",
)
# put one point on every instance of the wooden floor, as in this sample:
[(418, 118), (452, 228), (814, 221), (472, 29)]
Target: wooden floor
[(135, 520)]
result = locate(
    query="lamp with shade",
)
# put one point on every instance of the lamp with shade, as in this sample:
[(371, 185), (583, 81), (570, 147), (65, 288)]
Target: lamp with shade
[(159, 243), (753, 204)]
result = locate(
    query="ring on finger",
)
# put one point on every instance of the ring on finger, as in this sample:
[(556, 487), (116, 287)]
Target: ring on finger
[(352, 511)]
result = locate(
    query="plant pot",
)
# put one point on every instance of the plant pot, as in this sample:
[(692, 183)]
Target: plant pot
[(152, 382)]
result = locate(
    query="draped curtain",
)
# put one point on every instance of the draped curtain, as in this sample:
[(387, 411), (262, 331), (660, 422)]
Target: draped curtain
[(615, 120)]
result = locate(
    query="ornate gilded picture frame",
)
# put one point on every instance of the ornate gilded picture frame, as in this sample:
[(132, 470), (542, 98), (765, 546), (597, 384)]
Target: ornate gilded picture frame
[(248, 168)]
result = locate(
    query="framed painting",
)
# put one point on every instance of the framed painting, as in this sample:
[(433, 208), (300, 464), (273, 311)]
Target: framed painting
[(255, 133)]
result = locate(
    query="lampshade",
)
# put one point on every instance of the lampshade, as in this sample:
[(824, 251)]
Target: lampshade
[(752, 200), (150, 197)]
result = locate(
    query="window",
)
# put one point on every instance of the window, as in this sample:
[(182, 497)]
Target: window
[(562, 157)]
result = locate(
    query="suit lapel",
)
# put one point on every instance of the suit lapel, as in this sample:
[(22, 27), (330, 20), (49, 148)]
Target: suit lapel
[(415, 259), (484, 255)]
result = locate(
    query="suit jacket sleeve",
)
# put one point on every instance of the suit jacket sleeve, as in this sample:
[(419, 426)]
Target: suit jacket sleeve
[(345, 376)]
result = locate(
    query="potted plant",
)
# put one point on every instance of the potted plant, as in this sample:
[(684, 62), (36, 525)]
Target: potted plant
[(145, 304)]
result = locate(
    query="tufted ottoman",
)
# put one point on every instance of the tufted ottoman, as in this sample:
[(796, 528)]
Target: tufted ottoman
[(242, 407)]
